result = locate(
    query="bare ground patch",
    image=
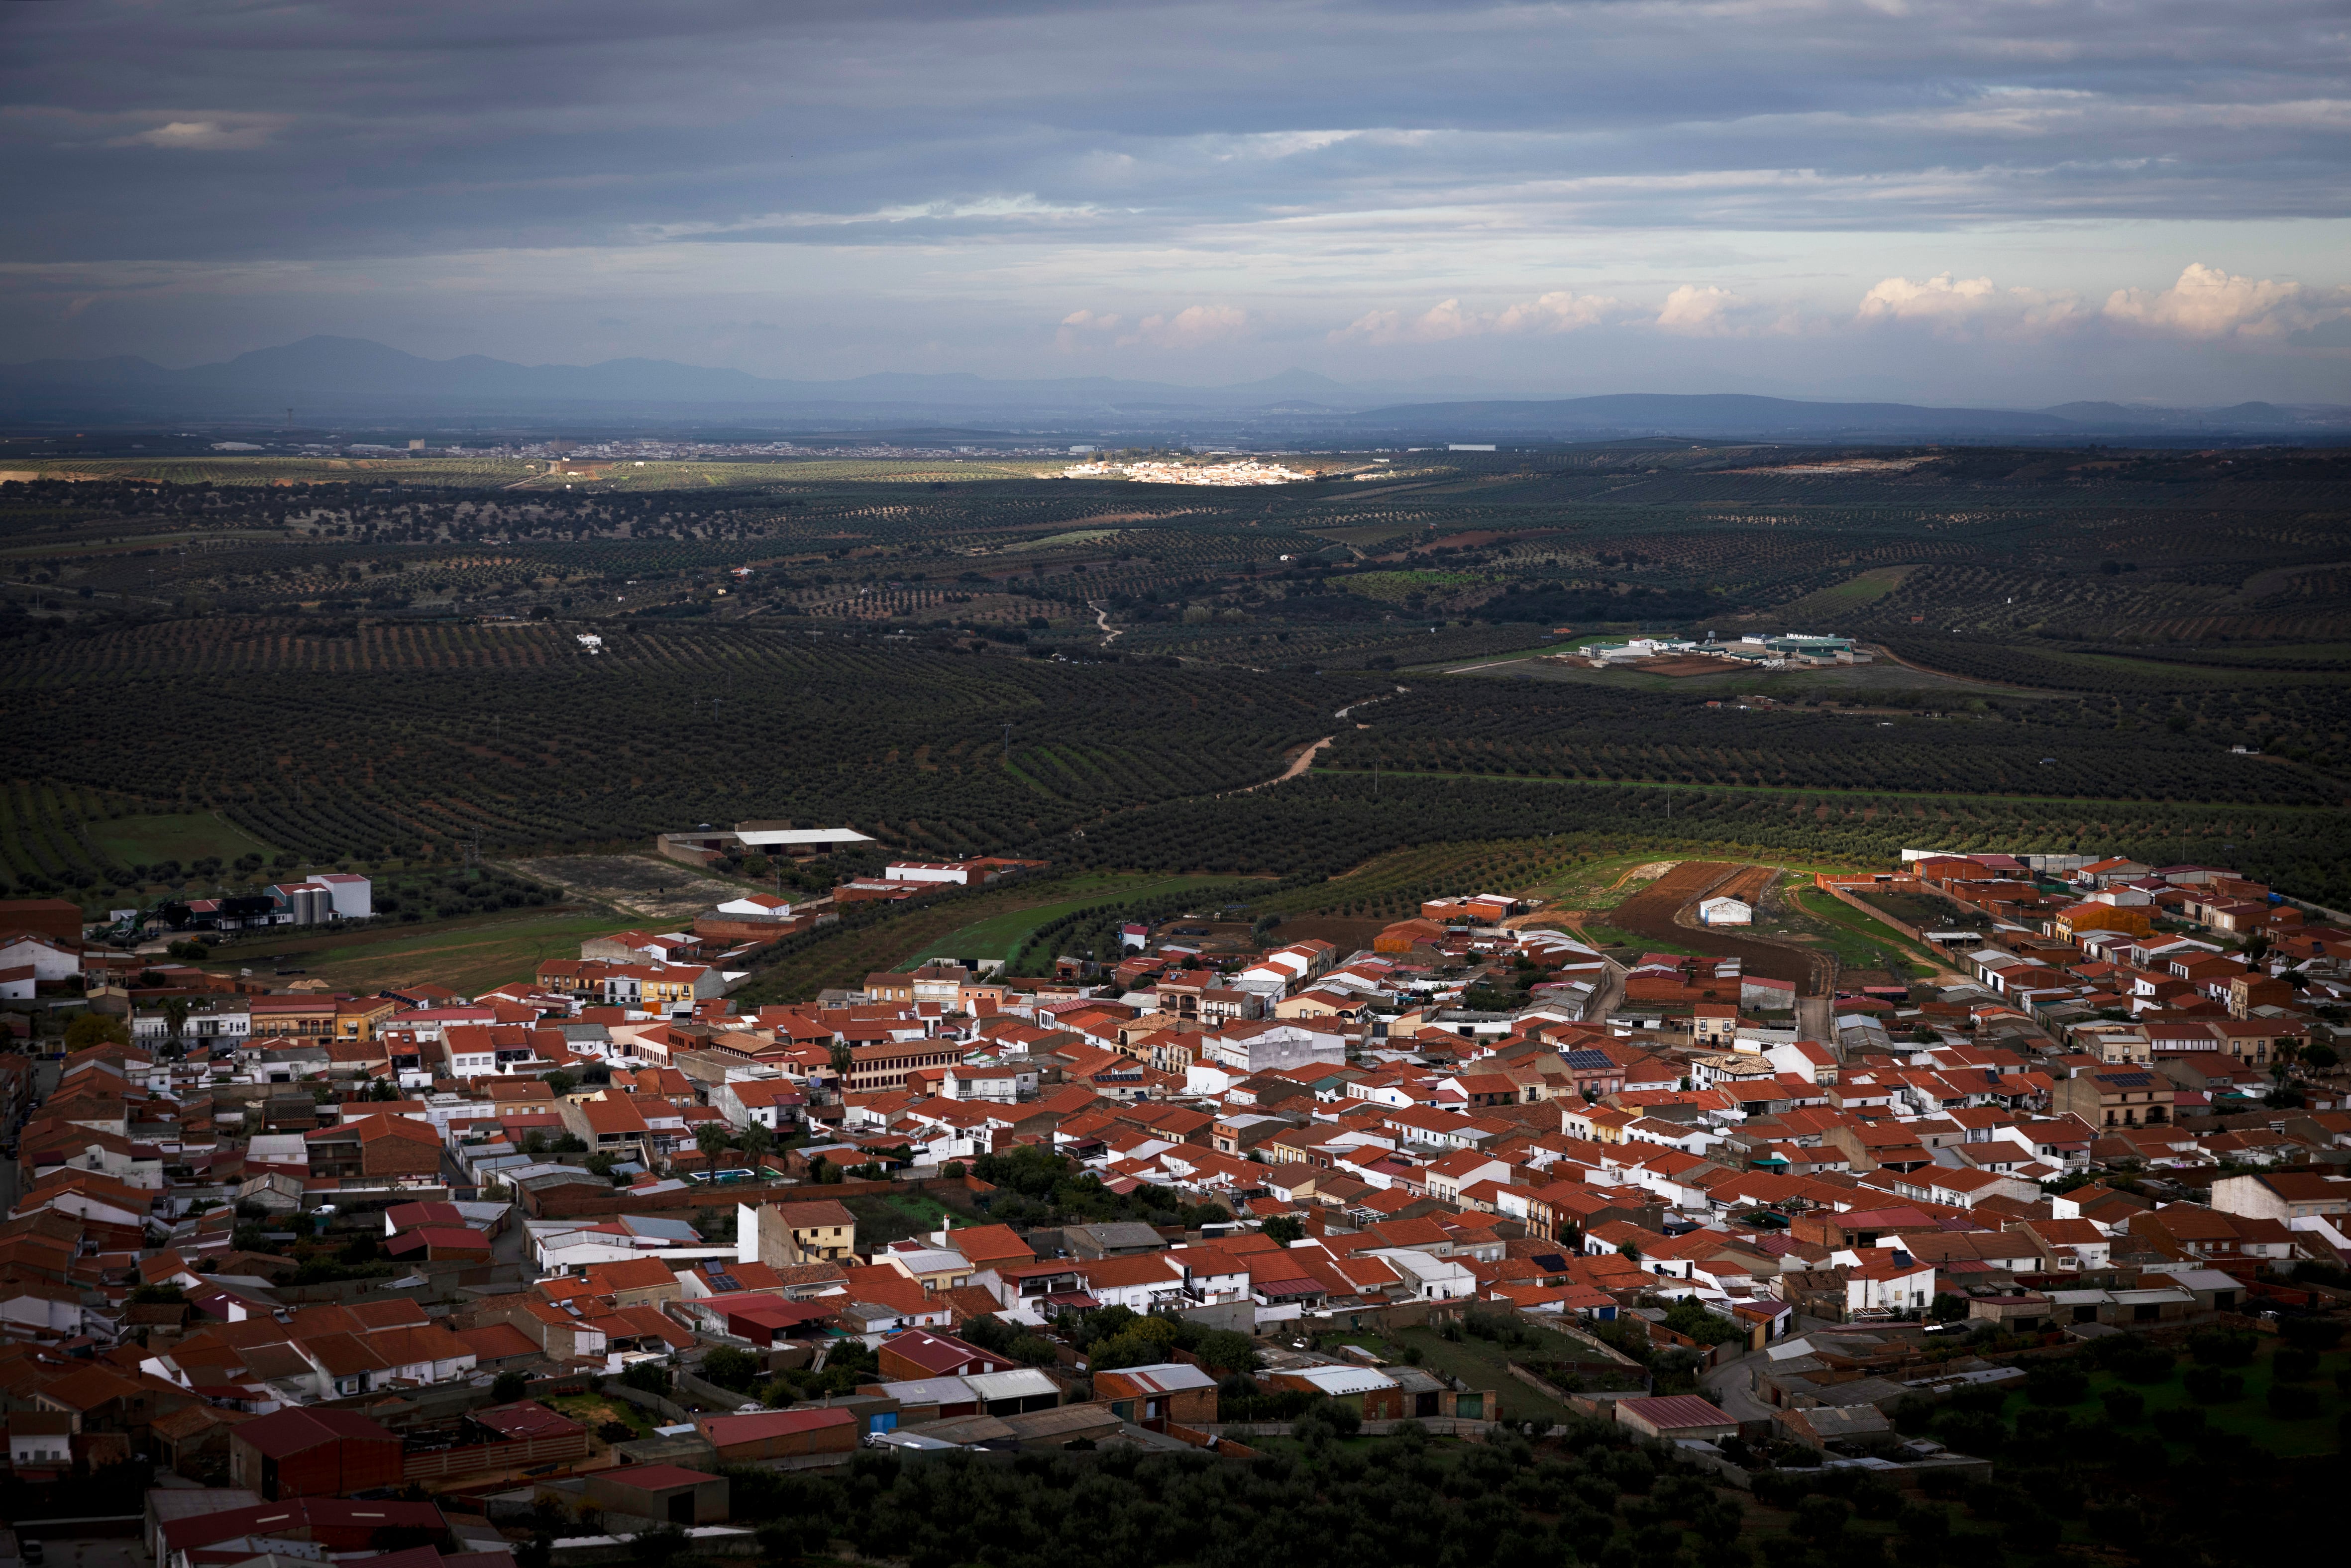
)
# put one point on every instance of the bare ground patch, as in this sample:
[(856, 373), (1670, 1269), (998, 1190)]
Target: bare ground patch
[(645, 885)]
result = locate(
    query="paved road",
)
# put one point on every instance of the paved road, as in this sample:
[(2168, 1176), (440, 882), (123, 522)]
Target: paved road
[(1727, 1385)]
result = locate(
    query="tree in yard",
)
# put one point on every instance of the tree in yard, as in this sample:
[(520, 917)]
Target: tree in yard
[(1285, 1228), (731, 1368), (175, 1014), (1690, 1319), (1948, 1308), (710, 1138), (757, 1141), (508, 1386), (560, 1083), (96, 1028), (1229, 1350)]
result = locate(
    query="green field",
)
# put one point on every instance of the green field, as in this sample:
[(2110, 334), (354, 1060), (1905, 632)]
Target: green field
[(1852, 937), (186, 838), (1851, 594), (1000, 936), (469, 956), (1482, 1363), (2248, 1418)]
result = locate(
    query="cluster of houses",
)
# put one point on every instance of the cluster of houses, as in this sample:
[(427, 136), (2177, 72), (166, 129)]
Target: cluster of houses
[(2114, 1105)]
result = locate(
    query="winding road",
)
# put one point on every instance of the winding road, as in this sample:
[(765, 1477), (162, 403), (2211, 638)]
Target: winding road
[(1298, 765)]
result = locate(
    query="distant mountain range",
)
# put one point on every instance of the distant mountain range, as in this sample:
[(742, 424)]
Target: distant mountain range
[(1742, 417), (346, 378), (348, 368)]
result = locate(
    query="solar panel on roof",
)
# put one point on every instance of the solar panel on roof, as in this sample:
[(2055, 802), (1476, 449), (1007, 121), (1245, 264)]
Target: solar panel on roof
[(723, 1283)]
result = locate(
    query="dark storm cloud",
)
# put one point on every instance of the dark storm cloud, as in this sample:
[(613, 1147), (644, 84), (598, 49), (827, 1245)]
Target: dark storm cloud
[(953, 184), (277, 129)]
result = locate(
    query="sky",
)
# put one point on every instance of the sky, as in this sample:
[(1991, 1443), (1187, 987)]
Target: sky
[(2012, 202)]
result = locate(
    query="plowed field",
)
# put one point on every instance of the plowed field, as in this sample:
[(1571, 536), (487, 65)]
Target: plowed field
[(1651, 911)]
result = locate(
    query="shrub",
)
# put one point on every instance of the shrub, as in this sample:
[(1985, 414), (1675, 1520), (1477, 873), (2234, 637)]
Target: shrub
[(2293, 1366), (2178, 1426), (1820, 1518), (2124, 1404), (1339, 1420), (2211, 1385), (1924, 1523), (2057, 1383), (1971, 1432), (1942, 1484), (2222, 1347), (1979, 1401), (2143, 1364), (647, 1377), (1874, 1498), (2288, 1402), (1913, 1413), (2042, 1426), (2310, 1334)]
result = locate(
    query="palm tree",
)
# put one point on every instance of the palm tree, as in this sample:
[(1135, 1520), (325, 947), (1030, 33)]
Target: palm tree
[(710, 1138)]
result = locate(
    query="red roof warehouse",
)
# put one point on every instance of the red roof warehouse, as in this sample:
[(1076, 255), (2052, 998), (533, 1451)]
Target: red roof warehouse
[(307, 1452)]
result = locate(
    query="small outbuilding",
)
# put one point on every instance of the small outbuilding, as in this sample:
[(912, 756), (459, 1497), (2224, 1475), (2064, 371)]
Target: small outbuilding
[(1725, 912), (306, 1451), (779, 1433), (1153, 1395), (668, 1492), (1676, 1416)]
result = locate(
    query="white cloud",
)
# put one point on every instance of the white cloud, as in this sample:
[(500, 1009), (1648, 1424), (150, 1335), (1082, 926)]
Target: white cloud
[(1193, 327), (1071, 334), (1951, 306), (1696, 312), (2207, 302), (1278, 143), (1009, 210), (1559, 312), (212, 133)]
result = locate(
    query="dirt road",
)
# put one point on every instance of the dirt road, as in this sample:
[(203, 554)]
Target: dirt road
[(1298, 765)]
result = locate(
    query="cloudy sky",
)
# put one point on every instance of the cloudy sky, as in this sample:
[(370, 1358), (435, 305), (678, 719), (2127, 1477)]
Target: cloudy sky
[(2011, 201)]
